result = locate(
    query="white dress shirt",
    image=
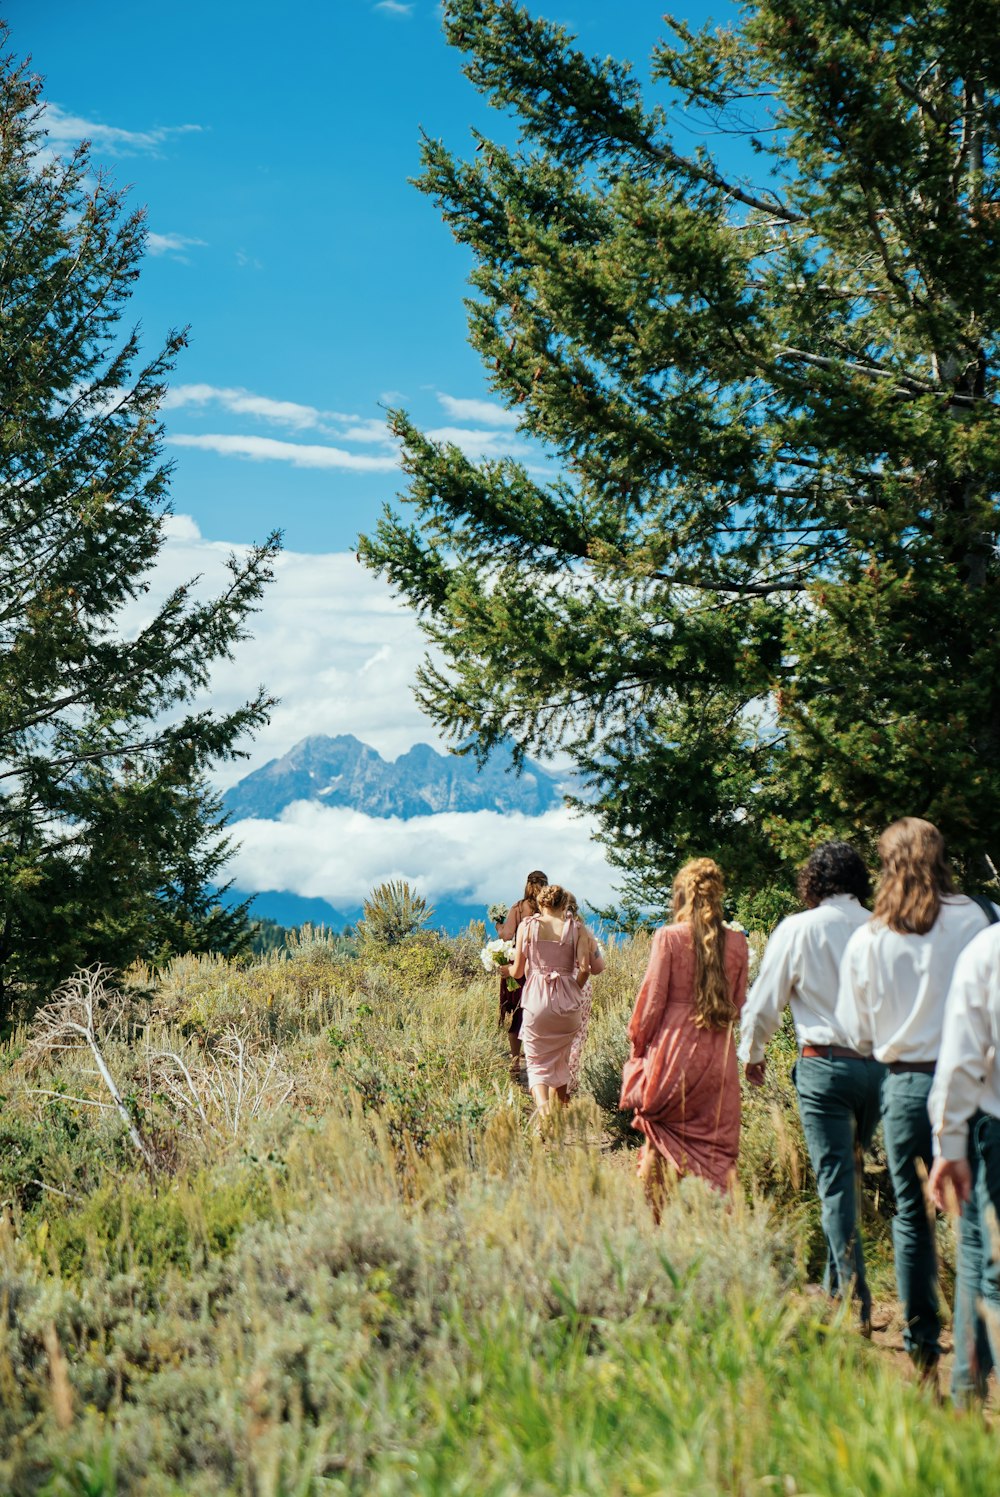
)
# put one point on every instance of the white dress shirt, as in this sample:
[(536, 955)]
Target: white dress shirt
[(893, 986), (800, 967), (968, 1070)]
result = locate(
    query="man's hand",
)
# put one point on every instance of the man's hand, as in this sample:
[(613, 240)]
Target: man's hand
[(754, 1072), (950, 1183)]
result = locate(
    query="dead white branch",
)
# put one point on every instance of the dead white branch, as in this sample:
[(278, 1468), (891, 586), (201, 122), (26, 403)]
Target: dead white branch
[(84, 1014), (225, 1089), (41, 1091)]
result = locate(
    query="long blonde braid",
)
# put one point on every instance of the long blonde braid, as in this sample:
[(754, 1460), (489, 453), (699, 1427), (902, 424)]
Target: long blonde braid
[(697, 898)]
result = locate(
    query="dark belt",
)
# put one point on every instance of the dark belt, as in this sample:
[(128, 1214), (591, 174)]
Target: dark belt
[(830, 1052), (905, 1067)]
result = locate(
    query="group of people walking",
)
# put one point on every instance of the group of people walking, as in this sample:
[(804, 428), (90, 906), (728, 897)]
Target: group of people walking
[(548, 1006), (897, 1018), (898, 1040)]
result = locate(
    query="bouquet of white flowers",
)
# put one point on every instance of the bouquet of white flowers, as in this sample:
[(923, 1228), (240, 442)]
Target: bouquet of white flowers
[(499, 954), (497, 913)]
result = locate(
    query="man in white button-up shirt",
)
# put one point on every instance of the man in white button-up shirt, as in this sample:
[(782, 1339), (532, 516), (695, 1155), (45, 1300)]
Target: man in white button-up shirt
[(964, 1109), (893, 983), (838, 1089)]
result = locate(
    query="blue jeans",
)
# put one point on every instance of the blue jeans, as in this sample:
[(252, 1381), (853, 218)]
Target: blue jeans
[(907, 1141), (839, 1102), (977, 1280)]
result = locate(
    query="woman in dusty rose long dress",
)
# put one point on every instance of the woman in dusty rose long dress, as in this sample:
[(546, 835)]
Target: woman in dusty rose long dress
[(552, 952), (682, 1078)]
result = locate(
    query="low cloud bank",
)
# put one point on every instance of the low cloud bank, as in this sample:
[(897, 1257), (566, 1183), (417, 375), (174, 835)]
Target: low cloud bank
[(342, 653), (474, 857)]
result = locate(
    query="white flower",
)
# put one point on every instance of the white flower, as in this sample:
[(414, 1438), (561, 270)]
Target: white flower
[(497, 954), (497, 913)]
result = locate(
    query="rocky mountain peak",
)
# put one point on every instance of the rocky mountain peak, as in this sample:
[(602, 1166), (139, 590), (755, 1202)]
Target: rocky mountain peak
[(343, 771)]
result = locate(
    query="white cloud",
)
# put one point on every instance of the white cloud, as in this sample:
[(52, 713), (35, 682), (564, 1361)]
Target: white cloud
[(64, 128), (330, 640), (337, 854), (493, 439), (476, 444), (341, 652), (299, 454), (395, 7), (181, 528), (171, 244), (290, 413), (484, 411), (364, 429), (243, 402)]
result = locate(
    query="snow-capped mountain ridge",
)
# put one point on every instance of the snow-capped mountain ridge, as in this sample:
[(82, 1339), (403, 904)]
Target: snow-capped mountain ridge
[(343, 771)]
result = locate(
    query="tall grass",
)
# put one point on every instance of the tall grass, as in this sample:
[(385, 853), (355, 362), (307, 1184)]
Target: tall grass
[(389, 1283)]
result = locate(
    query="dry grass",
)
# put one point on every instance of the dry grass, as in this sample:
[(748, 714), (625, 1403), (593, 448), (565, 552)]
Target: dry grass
[(382, 1280)]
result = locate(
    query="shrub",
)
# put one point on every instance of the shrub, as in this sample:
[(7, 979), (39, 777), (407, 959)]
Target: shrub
[(393, 912), (22, 1159), (392, 1284)]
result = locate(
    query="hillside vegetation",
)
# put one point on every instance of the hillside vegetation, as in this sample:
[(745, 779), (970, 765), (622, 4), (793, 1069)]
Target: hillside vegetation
[(350, 1264)]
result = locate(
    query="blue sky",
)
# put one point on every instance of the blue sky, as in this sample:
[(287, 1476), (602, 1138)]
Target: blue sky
[(272, 147)]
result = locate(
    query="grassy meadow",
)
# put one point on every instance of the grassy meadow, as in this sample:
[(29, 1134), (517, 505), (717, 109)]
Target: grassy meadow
[(333, 1255)]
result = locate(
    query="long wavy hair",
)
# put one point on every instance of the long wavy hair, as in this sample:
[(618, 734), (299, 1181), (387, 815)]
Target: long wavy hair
[(697, 900), (915, 876), (533, 886)]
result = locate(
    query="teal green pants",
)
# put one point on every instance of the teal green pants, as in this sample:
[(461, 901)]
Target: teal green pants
[(840, 1102)]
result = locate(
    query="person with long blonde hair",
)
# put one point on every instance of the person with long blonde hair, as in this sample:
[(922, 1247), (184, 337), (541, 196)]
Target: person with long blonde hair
[(681, 1079), (552, 953), (894, 980)]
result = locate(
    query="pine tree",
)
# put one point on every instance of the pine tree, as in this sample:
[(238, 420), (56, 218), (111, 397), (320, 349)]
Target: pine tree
[(110, 841), (757, 594)]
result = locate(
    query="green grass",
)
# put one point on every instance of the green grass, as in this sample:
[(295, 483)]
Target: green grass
[(388, 1283)]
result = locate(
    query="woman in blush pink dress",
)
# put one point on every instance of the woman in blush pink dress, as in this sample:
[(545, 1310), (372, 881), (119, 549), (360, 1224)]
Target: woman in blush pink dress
[(682, 1078), (596, 967), (552, 952)]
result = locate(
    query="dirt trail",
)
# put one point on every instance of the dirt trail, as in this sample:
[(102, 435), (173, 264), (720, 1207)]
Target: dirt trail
[(887, 1340)]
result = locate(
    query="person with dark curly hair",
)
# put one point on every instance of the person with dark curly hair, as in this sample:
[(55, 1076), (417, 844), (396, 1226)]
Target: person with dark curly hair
[(838, 1088)]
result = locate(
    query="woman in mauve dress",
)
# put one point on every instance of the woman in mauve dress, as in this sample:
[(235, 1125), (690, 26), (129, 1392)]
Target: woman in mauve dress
[(596, 967), (552, 952), (510, 999), (681, 1078)]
